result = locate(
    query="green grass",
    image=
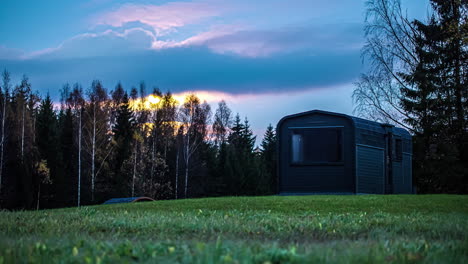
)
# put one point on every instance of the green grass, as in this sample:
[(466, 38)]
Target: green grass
[(349, 229)]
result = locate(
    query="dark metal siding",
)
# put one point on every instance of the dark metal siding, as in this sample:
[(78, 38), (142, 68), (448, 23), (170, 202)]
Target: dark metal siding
[(407, 173), (365, 165), (398, 178), (370, 169), (317, 177)]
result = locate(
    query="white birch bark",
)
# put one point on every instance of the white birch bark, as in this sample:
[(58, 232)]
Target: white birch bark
[(2, 141), (187, 159), (177, 174), (93, 153), (79, 158), (22, 132), (134, 170)]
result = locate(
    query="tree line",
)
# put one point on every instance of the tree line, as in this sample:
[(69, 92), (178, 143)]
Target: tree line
[(418, 80), (97, 144)]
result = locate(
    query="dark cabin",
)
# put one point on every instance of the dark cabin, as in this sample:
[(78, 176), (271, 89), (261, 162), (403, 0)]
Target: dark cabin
[(325, 152)]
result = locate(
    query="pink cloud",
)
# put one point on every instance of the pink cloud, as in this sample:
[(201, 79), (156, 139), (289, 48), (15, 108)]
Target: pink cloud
[(201, 38), (163, 18)]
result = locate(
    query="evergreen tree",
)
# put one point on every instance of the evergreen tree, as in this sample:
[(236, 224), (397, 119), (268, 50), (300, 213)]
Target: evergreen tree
[(241, 173), (47, 132), (123, 137), (434, 100), (47, 142), (269, 159), (66, 178)]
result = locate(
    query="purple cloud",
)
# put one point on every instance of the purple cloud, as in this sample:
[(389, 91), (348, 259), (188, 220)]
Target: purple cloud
[(163, 18)]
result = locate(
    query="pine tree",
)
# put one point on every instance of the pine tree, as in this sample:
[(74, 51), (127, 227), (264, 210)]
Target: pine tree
[(66, 178), (241, 173), (268, 158), (433, 100), (123, 137), (47, 142), (47, 131)]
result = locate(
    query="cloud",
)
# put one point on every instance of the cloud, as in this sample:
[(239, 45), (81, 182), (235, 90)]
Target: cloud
[(163, 18), (262, 43), (107, 43), (10, 54), (228, 40), (195, 68)]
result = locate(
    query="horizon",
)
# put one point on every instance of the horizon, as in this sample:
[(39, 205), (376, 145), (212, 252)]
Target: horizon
[(266, 59)]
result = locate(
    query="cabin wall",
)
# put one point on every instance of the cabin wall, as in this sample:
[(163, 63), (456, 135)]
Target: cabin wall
[(370, 169), (371, 150), (320, 177), (376, 158), (402, 168)]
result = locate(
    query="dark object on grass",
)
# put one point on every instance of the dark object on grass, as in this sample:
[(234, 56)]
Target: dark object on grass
[(325, 152), (128, 200)]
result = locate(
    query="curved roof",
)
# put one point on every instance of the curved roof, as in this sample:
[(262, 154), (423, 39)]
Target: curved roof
[(358, 123), (312, 112)]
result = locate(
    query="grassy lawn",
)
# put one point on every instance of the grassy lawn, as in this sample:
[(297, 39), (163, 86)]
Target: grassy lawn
[(349, 229)]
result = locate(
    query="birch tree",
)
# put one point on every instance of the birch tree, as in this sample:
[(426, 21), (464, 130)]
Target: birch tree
[(222, 122), (5, 93), (390, 50), (193, 116), (23, 92), (96, 129), (76, 103)]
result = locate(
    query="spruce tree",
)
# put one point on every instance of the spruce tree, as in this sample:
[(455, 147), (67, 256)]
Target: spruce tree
[(268, 157), (66, 178), (240, 168), (47, 136), (433, 100), (123, 136), (47, 139)]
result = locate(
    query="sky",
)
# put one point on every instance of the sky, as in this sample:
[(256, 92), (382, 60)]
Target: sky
[(266, 59)]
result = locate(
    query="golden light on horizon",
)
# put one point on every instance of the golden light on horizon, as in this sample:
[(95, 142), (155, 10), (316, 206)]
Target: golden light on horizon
[(151, 102), (152, 99)]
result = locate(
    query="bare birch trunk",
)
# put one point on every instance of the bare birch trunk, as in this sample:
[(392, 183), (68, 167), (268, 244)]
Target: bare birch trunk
[(153, 156), (93, 154), (134, 171), (2, 141), (177, 174), (79, 160), (22, 134), (187, 158)]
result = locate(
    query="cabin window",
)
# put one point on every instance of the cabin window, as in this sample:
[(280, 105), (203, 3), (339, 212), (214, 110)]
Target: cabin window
[(316, 145)]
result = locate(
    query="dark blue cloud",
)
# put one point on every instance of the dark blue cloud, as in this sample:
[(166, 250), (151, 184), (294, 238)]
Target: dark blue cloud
[(182, 69), (189, 68)]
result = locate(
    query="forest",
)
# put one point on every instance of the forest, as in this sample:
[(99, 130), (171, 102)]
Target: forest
[(98, 144)]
